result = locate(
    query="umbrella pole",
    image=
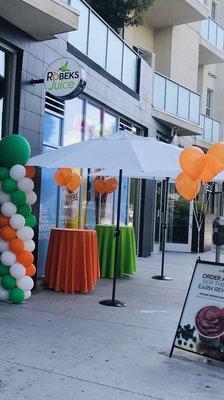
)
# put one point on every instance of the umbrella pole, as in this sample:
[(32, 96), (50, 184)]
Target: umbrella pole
[(162, 277), (113, 302)]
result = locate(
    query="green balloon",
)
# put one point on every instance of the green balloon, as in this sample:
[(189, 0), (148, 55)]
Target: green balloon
[(18, 197), (31, 220), (8, 282), (24, 210), (4, 270), (16, 296), (4, 173), (14, 149), (9, 186)]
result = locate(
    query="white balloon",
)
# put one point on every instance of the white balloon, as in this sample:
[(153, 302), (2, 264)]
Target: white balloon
[(30, 245), (25, 233), (4, 245), (4, 197), (8, 209), (4, 294), (17, 270), (8, 258), (31, 198), (26, 185), (25, 283), (17, 172), (17, 221), (27, 294)]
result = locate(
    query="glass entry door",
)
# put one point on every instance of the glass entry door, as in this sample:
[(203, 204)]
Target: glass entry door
[(179, 219), (158, 216)]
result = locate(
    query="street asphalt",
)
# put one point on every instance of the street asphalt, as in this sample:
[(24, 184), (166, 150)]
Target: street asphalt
[(58, 346)]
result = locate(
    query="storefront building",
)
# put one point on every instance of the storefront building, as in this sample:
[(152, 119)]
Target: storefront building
[(118, 94)]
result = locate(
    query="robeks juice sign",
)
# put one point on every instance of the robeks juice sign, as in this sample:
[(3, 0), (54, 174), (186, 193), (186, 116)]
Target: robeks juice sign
[(64, 77)]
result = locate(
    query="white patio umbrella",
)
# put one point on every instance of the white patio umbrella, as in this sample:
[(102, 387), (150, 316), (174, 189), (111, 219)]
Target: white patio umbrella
[(119, 151)]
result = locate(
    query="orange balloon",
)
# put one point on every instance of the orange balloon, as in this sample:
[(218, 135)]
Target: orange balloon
[(217, 151), (99, 186), (74, 182), (186, 187), (16, 246), (192, 161), (207, 175), (25, 258), (30, 171), (111, 185), (8, 233), (214, 164), (62, 176), (31, 270), (4, 221)]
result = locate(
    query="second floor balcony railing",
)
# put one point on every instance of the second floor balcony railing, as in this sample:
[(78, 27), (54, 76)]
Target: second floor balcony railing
[(176, 100), (211, 129), (101, 44), (205, 2), (213, 32)]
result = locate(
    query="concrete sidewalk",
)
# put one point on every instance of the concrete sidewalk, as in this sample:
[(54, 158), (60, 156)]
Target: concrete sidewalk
[(67, 347)]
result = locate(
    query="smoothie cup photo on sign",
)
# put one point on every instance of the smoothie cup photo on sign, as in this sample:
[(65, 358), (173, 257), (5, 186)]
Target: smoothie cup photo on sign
[(209, 322)]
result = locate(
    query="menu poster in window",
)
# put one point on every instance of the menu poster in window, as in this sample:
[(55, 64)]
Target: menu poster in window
[(201, 326)]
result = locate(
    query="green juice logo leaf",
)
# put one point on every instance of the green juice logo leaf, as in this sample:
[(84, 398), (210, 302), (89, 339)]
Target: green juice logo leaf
[(65, 67)]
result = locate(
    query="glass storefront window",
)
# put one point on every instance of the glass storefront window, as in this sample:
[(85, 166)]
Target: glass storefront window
[(93, 121), (52, 130), (2, 74), (73, 121), (48, 215), (110, 124), (49, 197)]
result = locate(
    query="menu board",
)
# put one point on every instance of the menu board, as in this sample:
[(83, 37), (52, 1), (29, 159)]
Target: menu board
[(201, 326)]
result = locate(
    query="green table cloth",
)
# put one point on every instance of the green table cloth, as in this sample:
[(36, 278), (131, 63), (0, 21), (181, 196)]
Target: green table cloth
[(126, 250)]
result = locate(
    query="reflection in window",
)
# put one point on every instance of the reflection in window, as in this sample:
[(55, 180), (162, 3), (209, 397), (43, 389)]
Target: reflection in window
[(93, 121), (178, 217), (52, 130), (73, 121), (110, 124)]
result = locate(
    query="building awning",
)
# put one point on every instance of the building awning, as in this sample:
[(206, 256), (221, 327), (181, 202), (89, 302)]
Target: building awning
[(41, 19)]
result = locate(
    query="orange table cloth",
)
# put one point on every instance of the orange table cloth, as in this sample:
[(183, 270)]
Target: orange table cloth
[(72, 261)]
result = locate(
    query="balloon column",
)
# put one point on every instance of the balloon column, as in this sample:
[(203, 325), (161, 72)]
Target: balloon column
[(16, 220), (198, 168)]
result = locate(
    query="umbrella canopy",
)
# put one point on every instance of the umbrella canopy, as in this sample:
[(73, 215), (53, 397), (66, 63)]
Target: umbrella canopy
[(123, 150), (219, 177), (158, 175)]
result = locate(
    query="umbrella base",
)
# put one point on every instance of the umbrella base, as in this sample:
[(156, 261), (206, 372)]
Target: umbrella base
[(111, 303), (162, 278)]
